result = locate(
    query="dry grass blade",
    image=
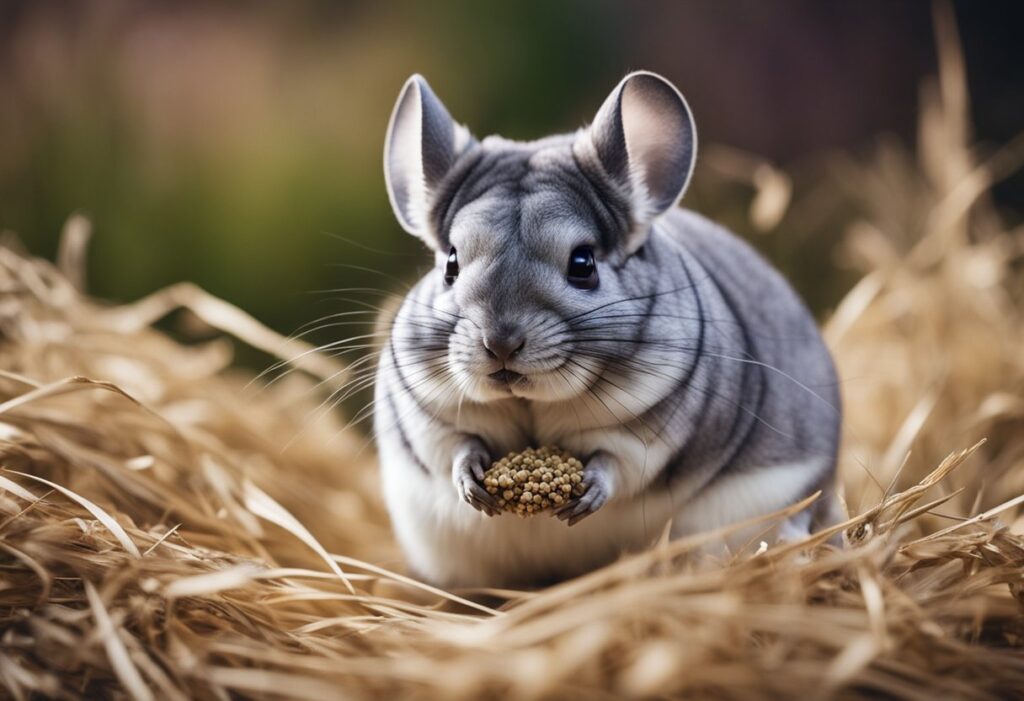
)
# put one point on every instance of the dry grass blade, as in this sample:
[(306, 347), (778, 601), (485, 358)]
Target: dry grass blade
[(211, 582), (263, 505), (106, 519), (985, 516), (230, 319), (116, 651), (17, 489)]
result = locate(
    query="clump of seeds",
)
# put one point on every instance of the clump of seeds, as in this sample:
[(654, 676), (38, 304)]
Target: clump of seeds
[(529, 482)]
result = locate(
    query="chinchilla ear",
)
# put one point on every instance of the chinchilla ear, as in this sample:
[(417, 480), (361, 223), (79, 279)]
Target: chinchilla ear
[(422, 144), (646, 140)]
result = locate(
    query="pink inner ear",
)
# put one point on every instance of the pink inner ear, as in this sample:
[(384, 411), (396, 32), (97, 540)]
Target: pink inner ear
[(657, 133), (423, 143), (406, 159)]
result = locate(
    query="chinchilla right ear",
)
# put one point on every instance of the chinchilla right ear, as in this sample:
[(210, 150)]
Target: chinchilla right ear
[(646, 141), (422, 144)]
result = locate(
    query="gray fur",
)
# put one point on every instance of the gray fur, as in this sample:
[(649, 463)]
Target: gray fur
[(692, 380)]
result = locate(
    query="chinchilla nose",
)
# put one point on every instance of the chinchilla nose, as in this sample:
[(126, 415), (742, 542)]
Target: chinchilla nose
[(504, 344)]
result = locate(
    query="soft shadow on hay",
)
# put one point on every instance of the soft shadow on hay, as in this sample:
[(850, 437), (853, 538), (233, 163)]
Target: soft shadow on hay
[(157, 542)]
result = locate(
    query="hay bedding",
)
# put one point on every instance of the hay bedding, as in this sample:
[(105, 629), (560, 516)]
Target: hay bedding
[(157, 542)]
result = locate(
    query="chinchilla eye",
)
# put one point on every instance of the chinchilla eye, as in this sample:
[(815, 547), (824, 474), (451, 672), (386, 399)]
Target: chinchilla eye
[(451, 268), (582, 268)]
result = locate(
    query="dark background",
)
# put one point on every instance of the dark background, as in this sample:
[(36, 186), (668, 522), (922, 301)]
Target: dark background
[(238, 145)]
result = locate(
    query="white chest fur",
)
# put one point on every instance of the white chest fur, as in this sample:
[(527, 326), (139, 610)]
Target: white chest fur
[(450, 543)]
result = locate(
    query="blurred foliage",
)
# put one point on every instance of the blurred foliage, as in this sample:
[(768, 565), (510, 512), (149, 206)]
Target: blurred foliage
[(245, 155), (240, 147)]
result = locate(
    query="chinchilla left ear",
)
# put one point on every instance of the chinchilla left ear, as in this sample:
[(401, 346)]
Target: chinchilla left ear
[(646, 140), (422, 144)]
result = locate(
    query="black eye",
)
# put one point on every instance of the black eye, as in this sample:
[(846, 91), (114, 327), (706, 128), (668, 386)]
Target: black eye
[(451, 268), (582, 268)]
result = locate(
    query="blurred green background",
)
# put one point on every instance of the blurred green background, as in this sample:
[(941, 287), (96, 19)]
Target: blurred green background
[(238, 145)]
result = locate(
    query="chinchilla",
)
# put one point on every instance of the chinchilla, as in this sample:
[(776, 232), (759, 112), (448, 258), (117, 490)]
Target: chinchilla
[(572, 303)]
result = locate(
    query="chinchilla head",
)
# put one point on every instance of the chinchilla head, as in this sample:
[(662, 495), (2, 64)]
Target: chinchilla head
[(541, 274)]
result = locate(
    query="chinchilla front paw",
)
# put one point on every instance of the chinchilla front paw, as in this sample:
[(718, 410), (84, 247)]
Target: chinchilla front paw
[(471, 461), (597, 483)]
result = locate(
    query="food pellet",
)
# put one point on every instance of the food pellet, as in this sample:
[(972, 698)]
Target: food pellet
[(534, 480)]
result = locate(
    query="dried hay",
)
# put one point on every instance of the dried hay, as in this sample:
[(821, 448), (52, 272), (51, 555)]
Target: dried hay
[(156, 541)]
